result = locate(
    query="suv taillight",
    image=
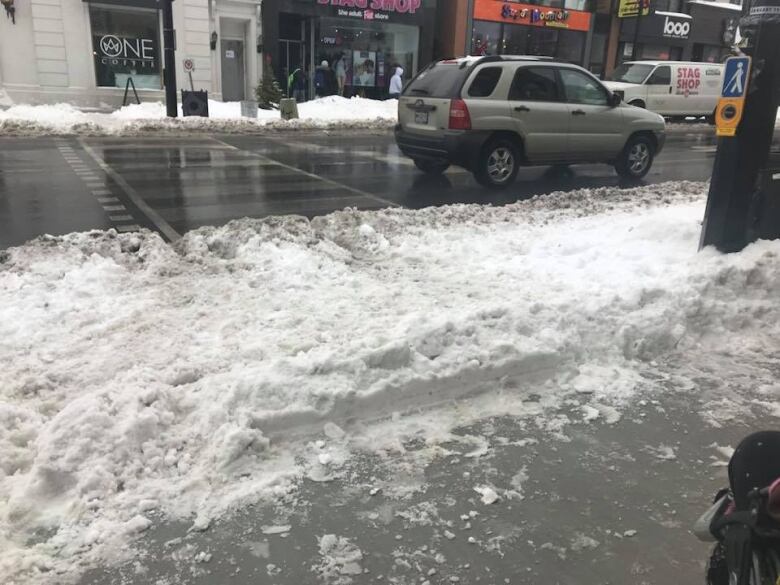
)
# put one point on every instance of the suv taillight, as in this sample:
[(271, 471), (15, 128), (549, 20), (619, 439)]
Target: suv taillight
[(460, 119)]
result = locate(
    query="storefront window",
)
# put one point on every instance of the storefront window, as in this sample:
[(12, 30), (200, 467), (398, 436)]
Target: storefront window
[(660, 53), (485, 38), (126, 43), (707, 53), (515, 41), (542, 41), (571, 46), (366, 54)]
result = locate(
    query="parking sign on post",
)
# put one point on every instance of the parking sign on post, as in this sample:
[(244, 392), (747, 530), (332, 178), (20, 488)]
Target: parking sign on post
[(731, 106), (189, 67)]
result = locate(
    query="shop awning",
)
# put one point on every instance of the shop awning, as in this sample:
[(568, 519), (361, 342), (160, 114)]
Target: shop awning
[(128, 3), (679, 15), (712, 4)]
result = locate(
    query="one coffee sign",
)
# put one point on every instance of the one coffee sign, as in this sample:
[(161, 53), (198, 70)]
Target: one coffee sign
[(130, 49)]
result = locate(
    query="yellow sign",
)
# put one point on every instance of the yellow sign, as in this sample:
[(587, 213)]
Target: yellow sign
[(728, 115), (630, 8)]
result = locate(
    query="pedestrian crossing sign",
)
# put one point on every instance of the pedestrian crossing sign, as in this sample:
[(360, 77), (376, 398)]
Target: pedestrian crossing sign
[(735, 77), (731, 106)]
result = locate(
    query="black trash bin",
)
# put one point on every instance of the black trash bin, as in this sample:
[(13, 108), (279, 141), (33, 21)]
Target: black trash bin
[(764, 218), (195, 103)]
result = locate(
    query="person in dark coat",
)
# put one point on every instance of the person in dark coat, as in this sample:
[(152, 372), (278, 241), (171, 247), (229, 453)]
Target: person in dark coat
[(324, 80)]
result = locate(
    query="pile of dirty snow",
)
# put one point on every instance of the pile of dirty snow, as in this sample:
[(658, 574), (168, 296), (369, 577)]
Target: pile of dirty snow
[(332, 112), (143, 381)]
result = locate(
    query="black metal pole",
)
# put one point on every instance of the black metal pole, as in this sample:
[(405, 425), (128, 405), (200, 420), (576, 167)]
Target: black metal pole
[(637, 24), (169, 49), (731, 214)]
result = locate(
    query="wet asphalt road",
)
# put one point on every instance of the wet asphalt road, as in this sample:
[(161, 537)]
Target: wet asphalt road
[(173, 184)]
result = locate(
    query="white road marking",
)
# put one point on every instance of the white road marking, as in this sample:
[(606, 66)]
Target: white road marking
[(311, 175), (162, 226), (101, 192), (114, 208), (107, 200), (128, 228), (120, 217), (389, 159)]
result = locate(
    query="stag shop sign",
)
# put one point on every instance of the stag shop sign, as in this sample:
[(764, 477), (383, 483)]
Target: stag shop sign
[(530, 15), (688, 81), (372, 9)]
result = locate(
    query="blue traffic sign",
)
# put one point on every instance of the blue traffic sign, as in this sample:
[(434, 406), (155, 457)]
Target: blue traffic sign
[(735, 77)]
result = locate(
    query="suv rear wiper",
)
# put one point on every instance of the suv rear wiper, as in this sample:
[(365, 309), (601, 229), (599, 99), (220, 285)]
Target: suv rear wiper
[(420, 91)]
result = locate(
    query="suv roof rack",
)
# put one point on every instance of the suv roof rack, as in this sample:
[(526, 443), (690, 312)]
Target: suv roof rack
[(474, 61), (492, 58)]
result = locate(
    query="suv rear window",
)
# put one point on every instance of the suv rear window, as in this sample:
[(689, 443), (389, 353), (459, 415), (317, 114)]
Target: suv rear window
[(440, 80), (485, 82)]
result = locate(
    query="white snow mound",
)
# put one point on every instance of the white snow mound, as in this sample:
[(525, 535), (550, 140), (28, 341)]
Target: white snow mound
[(333, 112), (142, 381)]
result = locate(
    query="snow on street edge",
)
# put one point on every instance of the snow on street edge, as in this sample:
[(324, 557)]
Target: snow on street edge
[(142, 380)]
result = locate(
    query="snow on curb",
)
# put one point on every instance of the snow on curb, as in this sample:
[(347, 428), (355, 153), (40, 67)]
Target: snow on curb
[(330, 113), (143, 381)]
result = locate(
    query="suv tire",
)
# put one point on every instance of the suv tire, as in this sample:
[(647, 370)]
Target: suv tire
[(636, 159), (431, 167), (498, 164)]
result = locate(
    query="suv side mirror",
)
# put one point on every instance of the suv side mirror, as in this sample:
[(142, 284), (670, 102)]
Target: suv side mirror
[(615, 100)]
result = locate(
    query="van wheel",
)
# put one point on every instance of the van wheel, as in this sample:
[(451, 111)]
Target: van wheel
[(431, 167), (636, 159), (498, 164), (638, 104)]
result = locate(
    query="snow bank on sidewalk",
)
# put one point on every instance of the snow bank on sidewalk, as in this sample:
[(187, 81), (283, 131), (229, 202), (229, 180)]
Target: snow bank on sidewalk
[(329, 113), (143, 381)]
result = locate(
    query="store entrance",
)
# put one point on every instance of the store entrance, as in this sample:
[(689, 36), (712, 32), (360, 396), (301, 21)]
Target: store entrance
[(295, 51), (232, 70), (363, 55)]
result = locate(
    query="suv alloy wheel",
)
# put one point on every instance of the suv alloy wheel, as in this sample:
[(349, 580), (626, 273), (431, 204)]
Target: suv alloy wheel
[(498, 164), (636, 159)]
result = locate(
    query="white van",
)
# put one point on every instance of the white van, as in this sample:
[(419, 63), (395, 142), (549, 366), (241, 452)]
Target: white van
[(669, 88)]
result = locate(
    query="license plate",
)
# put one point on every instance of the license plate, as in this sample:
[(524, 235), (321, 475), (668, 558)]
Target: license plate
[(421, 117)]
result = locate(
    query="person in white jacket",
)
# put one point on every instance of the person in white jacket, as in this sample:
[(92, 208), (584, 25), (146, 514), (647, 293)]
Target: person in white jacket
[(397, 83)]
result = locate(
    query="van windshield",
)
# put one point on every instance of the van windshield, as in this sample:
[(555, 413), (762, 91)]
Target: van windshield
[(631, 72), (440, 80)]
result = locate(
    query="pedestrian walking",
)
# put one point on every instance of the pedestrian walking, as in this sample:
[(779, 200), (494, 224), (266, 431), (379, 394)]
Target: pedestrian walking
[(324, 80), (397, 83), (296, 86)]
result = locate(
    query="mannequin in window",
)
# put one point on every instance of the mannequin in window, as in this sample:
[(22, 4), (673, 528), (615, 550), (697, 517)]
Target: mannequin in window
[(341, 73)]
